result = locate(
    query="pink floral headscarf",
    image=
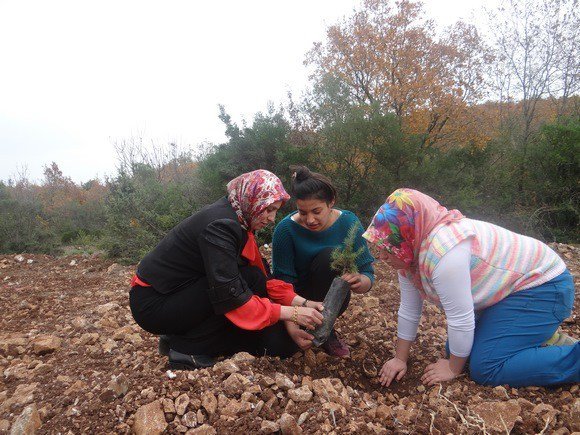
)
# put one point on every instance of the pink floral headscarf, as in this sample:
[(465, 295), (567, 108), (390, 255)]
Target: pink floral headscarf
[(251, 193), (404, 221)]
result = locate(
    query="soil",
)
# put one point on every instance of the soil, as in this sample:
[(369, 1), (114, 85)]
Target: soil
[(69, 346)]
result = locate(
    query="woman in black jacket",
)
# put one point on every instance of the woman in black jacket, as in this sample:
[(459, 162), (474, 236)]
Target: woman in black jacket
[(206, 288)]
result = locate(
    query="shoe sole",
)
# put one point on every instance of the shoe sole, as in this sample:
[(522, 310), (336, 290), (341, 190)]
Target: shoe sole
[(179, 366)]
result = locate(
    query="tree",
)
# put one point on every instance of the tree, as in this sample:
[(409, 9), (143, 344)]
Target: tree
[(361, 151), (536, 50), (387, 54)]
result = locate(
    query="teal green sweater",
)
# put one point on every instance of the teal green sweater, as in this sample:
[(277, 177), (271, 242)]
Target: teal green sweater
[(294, 247)]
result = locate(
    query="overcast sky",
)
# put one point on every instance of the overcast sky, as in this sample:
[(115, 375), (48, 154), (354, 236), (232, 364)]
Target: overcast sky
[(76, 76)]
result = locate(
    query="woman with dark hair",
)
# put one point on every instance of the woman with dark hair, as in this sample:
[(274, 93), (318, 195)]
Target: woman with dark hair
[(302, 246), (207, 289)]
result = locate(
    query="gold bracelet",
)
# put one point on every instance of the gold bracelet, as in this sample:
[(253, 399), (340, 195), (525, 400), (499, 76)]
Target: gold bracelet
[(295, 315)]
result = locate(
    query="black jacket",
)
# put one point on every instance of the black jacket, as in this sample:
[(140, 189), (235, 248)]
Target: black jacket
[(206, 244)]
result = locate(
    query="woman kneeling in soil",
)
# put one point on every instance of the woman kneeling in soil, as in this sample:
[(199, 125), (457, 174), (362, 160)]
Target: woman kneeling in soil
[(208, 289), (302, 245), (504, 295)]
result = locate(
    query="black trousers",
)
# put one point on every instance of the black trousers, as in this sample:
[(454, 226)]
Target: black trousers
[(187, 317), (317, 283)]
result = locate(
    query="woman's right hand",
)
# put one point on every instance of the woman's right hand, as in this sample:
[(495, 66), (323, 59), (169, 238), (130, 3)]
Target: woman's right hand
[(393, 368)]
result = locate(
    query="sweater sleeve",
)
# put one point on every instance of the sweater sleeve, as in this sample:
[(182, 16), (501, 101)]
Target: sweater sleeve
[(452, 282), (257, 313), (365, 260), (409, 310), (283, 253)]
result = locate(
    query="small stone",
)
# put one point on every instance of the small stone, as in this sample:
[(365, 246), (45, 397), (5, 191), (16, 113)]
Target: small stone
[(302, 394), (322, 358), (574, 389), (289, 425), (383, 412), (149, 419), (45, 344), (27, 422), (575, 416), (119, 385), (180, 427), (258, 408), (269, 427), (243, 357), (204, 429), (168, 406), (546, 411), (310, 358), (283, 382), (209, 402), (371, 302), (107, 395), (24, 394), (405, 415), (80, 322), (189, 419), (501, 392), (181, 404), (105, 308), (303, 417), (109, 345), (235, 384), (226, 367), (420, 388)]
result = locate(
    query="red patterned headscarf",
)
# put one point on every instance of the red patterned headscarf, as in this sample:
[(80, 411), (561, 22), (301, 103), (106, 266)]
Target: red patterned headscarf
[(251, 193), (404, 221)]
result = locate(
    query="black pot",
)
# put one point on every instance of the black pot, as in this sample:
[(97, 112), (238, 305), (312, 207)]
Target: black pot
[(333, 301)]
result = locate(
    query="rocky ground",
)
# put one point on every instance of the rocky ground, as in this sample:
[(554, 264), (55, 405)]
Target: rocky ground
[(73, 361)]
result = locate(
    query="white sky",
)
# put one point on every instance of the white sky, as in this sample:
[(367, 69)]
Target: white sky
[(78, 75)]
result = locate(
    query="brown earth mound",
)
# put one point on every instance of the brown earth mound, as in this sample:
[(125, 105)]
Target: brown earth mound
[(72, 360)]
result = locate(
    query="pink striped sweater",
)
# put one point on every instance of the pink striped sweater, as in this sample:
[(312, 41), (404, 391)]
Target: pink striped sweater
[(502, 262)]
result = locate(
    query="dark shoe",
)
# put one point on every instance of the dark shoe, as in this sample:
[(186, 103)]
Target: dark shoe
[(182, 361), (164, 345), (334, 346)]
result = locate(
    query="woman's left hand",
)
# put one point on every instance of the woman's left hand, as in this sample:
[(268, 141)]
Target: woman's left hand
[(354, 279), (315, 304), (438, 372), (359, 283)]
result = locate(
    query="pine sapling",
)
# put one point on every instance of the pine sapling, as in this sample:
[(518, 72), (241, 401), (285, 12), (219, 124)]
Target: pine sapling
[(344, 258)]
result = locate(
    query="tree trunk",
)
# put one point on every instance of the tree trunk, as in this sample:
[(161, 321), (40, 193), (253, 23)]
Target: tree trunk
[(332, 304)]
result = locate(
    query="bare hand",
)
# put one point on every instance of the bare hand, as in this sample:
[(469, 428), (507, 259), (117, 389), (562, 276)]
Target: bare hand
[(354, 279), (302, 338), (316, 305), (438, 372), (393, 368), (308, 317)]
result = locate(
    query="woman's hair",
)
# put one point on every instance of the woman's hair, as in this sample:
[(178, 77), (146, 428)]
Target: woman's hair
[(308, 185)]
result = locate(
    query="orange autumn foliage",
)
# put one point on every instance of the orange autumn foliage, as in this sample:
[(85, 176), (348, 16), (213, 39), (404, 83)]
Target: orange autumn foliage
[(389, 54)]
